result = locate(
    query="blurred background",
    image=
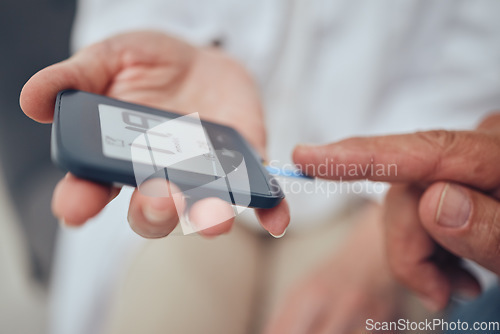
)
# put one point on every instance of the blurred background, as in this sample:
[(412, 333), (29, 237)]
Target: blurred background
[(33, 34)]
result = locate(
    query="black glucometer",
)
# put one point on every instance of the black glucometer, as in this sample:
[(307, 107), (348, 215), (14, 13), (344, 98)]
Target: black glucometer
[(107, 141)]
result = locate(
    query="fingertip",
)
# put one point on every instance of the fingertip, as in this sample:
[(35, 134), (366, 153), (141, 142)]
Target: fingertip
[(56, 206), (275, 220), (159, 201), (37, 97), (152, 217), (158, 210), (24, 98), (212, 216), (278, 236), (302, 153), (147, 229), (76, 200), (218, 229), (87, 70), (69, 225)]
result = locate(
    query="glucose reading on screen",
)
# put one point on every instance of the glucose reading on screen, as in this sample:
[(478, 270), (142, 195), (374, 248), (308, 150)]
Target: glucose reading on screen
[(161, 145)]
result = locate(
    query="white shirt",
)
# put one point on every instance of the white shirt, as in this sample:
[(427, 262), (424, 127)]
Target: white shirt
[(327, 70)]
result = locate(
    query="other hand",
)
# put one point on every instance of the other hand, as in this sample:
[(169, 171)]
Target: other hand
[(443, 205)]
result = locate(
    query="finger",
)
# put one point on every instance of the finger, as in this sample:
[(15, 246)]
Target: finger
[(90, 70), (275, 220), (410, 249), (212, 216), (463, 156), (152, 212), (464, 221), (76, 200)]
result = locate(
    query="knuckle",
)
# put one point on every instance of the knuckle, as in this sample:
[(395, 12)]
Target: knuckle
[(439, 144), (440, 140)]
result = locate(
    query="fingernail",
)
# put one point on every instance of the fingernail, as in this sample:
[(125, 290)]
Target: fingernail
[(65, 224), (154, 215), (278, 236), (454, 207), (429, 303)]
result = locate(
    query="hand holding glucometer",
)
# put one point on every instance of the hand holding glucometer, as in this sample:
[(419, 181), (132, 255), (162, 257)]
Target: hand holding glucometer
[(96, 138), (165, 73)]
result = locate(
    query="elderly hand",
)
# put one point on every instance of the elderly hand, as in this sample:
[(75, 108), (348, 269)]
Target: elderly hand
[(443, 204), (153, 69)]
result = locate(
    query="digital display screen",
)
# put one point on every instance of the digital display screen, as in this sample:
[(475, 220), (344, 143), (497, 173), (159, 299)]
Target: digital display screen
[(159, 141)]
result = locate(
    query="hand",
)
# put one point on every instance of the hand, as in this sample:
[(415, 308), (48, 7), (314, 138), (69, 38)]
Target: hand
[(153, 69), (444, 204), (349, 288)]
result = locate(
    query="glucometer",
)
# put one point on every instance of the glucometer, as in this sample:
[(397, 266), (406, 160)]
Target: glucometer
[(114, 142)]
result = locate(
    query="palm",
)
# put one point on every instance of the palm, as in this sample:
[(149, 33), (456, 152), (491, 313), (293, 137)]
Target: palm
[(189, 80)]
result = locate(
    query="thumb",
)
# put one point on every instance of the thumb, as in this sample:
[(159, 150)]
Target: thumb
[(90, 70), (463, 221)]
